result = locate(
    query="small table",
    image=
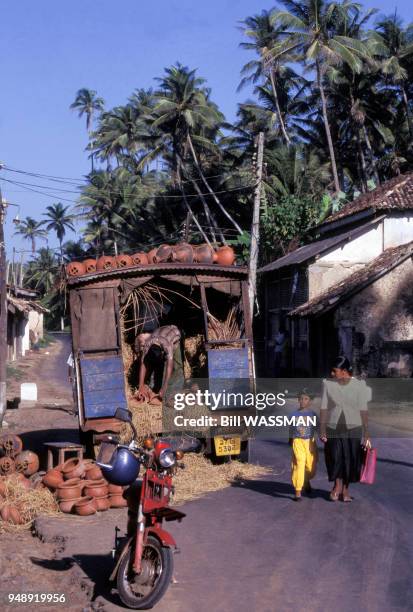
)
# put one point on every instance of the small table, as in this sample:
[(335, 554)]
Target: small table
[(62, 448)]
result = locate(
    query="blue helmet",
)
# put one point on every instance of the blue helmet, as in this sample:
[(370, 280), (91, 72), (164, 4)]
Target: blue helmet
[(122, 469)]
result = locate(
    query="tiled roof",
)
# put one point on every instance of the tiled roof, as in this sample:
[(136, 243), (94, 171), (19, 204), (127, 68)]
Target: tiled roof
[(389, 259), (395, 194)]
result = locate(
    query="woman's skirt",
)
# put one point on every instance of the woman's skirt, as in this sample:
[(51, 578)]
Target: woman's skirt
[(344, 454)]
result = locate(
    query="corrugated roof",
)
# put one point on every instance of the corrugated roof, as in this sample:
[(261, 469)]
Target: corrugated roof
[(239, 272), (396, 194), (309, 251), (389, 259)]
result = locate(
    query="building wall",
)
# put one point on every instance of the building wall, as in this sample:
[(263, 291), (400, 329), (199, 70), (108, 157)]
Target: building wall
[(398, 229), (377, 325), (36, 325)]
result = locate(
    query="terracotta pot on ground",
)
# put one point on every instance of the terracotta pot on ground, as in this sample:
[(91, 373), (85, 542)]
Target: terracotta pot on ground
[(27, 463), (163, 254), (67, 505), (105, 263), (93, 472), (90, 265), (85, 506), (140, 259), (151, 255), (204, 254), (102, 503), (183, 253), (10, 514), (2, 487), (95, 488), (117, 501), (75, 268), (7, 466), (53, 478), (73, 468), (69, 490), (115, 489), (225, 256), (24, 481)]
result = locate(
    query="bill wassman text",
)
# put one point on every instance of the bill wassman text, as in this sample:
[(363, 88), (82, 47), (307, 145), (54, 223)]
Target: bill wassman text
[(246, 420)]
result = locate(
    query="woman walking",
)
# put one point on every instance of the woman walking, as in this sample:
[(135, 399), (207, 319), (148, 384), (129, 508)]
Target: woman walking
[(344, 427)]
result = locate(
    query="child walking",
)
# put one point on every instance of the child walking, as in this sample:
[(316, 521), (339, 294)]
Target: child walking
[(304, 448)]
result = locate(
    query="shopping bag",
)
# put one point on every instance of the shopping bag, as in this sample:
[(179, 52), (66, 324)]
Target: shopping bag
[(368, 469)]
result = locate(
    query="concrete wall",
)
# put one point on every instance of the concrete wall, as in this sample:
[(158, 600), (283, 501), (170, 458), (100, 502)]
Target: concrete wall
[(398, 229), (379, 320)]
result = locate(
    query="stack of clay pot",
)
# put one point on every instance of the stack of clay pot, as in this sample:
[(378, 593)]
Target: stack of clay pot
[(16, 462), (165, 253), (80, 487)]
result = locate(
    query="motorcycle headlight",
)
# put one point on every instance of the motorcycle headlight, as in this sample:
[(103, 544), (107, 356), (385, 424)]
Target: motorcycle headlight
[(167, 458)]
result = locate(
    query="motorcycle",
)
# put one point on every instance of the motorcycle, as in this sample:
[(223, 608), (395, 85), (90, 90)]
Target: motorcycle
[(144, 562)]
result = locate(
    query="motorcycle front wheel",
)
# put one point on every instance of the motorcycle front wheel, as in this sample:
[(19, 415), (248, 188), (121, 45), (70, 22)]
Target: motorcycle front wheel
[(144, 590)]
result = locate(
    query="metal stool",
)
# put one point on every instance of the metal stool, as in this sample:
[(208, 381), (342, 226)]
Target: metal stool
[(62, 448)]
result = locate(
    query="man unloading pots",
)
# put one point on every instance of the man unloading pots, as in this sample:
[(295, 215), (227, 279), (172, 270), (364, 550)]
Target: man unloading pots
[(156, 352)]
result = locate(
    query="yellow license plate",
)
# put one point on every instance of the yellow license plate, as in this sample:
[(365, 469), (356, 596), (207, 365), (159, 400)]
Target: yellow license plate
[(225, 445)]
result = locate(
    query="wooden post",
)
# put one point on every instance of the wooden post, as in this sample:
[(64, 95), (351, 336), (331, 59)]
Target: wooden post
[(3, 312), (255, 228)]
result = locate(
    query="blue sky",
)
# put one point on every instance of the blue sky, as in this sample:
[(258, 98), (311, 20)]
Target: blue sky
[(51, 49)]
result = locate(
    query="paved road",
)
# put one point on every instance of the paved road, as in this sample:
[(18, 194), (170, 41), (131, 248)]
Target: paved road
[(251, 548)]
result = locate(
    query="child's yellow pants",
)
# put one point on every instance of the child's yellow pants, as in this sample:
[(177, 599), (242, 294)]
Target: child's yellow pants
[(304, 462)]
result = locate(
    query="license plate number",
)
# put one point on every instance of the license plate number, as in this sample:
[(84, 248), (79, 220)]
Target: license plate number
[(227, 446)]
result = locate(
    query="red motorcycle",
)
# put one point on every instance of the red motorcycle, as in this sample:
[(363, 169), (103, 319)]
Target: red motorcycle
[(144, 565)]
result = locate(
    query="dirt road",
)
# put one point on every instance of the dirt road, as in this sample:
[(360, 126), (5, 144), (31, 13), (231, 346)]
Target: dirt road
[(251, 548)]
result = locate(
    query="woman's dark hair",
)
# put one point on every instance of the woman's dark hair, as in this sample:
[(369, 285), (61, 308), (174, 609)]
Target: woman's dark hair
[(341, 362), (154, 354)]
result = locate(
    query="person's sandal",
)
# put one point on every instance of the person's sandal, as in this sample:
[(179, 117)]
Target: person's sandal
[(346, 499), (334, 496)]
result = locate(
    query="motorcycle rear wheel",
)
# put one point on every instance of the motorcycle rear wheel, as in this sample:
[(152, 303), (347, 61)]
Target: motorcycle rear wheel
[(144, 591)]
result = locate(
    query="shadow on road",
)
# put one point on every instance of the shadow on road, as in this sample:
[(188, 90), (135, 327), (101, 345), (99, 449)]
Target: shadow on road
[(276, 489)]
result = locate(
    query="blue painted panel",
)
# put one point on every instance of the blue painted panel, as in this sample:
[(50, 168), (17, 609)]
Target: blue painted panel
[(228, 363), (228, 371), (103, 386)]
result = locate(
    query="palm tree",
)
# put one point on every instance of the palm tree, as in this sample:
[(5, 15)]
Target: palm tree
[(395, 45), (31, 229), (42, 271), (59, 220), (310, 29), (87, 103), (264, 36)]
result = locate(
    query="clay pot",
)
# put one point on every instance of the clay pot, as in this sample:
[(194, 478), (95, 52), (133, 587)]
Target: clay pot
[(151, 256), (2, 487), (36, 481), (225, 256), (204, 254), (27, 463), (10, 514), (70, 489), (7, 466), (67, 505), (93, 472), (95, 488), (117, 501), (140, 259), (183, 253), (163, 254), (11, 445), (90, 265), (53, 478), (124, 261), (73, 468), (85, 506), (102, 503), (25, 482), (75, 268), (115, 489), (105, 263)]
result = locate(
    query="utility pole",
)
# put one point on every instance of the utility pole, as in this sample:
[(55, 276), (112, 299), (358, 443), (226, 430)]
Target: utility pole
[(255, 228), (3, 312)]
